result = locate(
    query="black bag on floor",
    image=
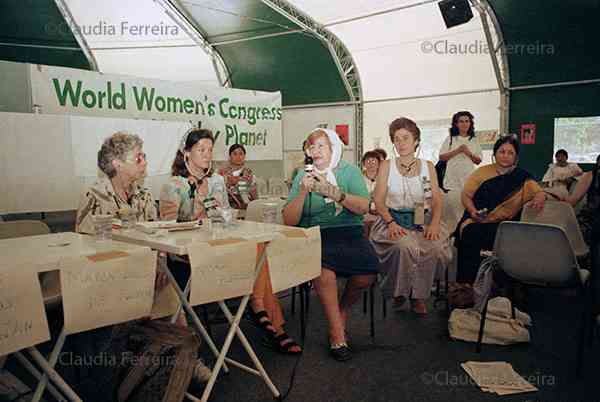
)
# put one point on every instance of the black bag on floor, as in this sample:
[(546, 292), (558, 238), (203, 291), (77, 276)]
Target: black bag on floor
[(155, 361)]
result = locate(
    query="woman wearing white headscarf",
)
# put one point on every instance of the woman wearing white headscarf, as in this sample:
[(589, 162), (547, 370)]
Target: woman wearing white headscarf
[(334, 197)]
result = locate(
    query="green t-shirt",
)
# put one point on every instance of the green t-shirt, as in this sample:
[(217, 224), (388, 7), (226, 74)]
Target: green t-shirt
[(350, 180)]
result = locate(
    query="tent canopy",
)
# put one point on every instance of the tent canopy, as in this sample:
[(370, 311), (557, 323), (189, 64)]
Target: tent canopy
[(397, 56)]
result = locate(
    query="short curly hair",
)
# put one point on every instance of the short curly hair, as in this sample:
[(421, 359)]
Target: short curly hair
[(117, 146)]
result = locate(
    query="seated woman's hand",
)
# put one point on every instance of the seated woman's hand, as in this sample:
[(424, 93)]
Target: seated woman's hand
[(395, 231), (307, 183), (538, 201), (432, 232), (475, 216), (327, 189)]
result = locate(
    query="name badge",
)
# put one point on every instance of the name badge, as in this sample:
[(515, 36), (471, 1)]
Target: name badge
[(419, 213)]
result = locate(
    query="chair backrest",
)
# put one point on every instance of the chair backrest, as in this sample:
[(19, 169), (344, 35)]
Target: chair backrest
[(12, 229), (560, 214), (261, 187), (255, 209), (536, 253), (278, 187)]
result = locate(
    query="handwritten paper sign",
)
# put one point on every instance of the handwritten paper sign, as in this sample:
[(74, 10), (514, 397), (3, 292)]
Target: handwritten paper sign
[(107, 289), (23, 320), (221, 271), (294, 257)]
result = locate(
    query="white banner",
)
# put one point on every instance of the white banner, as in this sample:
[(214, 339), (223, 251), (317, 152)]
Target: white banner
[(235, 116)]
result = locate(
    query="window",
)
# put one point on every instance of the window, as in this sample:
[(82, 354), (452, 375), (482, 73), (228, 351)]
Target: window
[(435, 132), (580, 136)]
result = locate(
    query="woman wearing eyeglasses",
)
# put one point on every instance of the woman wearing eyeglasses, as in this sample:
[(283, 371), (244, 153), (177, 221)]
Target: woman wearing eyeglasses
[(193, 191), (492, 194), (122, 159)]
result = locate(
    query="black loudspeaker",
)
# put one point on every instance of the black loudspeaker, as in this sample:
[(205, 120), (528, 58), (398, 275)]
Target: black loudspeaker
[(455, 12)]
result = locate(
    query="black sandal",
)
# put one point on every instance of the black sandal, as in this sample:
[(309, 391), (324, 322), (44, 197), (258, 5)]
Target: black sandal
[(256, 320), (276, 342), (340, 351)]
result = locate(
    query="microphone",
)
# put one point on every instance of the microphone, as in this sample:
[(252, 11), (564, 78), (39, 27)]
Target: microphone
[(309, 166)]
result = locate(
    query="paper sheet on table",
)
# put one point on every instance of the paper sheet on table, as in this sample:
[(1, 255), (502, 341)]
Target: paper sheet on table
[(497, 377), (23, 320), (107, 288), (294, 257), (222, 270)]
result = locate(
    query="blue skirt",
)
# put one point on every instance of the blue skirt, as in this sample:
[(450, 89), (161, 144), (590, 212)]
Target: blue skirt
[(347, 252)]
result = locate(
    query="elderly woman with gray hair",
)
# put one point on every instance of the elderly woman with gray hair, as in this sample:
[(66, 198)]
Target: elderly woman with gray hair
[(123, 161)]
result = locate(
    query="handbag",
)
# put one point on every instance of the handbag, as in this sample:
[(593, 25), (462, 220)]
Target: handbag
[(500, 328), (404, 217), (155, 361), (440, 170)]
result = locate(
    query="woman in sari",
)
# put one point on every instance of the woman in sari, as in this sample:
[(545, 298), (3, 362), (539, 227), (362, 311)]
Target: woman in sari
[(492, 194), (239, 179)]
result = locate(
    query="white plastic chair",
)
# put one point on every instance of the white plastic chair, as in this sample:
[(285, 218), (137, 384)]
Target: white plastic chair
[(12, 229), (540, 255), (255, 209), (561, 214), (49, 280), (261, 187), (278, 187)]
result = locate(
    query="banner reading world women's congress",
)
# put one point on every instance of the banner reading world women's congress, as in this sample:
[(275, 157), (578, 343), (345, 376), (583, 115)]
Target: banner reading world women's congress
[(235, 116)]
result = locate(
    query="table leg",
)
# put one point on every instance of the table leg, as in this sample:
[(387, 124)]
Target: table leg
[(235, 322), (38, 376), (39, 391), (302, 313), (54, 376), (186, 293), (188, 309)]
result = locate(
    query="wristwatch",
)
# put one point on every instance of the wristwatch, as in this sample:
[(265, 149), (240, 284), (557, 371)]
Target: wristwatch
[(342, 198)]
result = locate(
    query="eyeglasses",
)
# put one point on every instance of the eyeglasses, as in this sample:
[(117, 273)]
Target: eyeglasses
[(138, 159)]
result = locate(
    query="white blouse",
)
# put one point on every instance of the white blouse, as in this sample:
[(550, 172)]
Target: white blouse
[(461, 166)]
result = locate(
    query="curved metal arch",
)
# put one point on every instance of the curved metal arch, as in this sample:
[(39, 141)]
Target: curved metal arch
[(63, 8), (340, 54), (181, 17), (499, 58)]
